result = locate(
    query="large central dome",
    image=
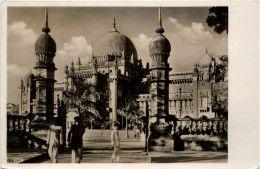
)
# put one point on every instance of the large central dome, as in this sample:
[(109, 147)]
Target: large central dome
[(115, 43)]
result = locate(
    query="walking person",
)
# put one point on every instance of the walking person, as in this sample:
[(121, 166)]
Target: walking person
[(54, 140), (138, 134), (115, 141), (75, 140)]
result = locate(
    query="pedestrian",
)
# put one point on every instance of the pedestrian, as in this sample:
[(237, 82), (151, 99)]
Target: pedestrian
[(115, 141), (54, 140), (75, 140), (138, 134)]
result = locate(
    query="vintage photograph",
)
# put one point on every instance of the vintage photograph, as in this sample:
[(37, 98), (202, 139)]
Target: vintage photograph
[(117, 84)]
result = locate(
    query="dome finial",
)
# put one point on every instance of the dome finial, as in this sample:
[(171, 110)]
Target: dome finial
[(160, 18), (46, 17), (114, 26), (160, 28), (114, 23), (92, 49), (46, 29)]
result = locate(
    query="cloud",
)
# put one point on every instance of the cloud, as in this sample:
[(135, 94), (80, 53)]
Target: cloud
[(76, 46), (189, 43), (141, 43), (20, 56), (18, 30), (15, 70), (14, 74)]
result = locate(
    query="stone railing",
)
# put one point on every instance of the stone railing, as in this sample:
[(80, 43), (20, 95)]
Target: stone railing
[(217, 127), (18, 124)]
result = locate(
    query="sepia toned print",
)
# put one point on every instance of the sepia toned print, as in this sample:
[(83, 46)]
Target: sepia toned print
[(117, 85)]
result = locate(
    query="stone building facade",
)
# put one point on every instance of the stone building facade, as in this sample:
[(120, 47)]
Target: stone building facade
[(119, 74), (193, 94)]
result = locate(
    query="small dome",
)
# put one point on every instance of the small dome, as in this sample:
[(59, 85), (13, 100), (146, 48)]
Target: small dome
[(28, 77), (45, 44), (159, 44), (206, 60), (115, 43)]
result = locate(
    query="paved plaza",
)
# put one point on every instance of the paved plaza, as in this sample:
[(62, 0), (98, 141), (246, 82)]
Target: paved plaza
[(99, 150)]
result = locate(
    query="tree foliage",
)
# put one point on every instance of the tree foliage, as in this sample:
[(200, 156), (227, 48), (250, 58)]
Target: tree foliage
[(222, 68), (85, 97), (218, 19), (131, 111)]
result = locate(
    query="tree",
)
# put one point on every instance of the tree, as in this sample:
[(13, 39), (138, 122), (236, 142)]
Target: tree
[(221, 68), (131, 112), (218, 19), (85, 98)]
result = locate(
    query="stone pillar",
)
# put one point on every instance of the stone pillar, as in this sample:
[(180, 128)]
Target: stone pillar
[(21, 97), (113, 89)]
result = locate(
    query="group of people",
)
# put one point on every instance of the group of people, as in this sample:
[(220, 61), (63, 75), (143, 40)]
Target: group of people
[(75, 141)]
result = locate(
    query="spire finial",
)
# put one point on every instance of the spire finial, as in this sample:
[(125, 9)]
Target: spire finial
[(206, 50), (160, 29), (114, 26), (46, 29), (72, 63), (114, 23), (160, 18), (46, 17), (92, 49)]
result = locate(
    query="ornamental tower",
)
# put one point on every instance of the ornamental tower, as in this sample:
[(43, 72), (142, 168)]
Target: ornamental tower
[(159, 49), (45, 49)]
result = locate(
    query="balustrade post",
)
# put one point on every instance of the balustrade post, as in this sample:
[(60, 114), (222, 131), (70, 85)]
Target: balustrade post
[(24, 125), (13, 124), (8, 125), (30, 126), (19, 123)]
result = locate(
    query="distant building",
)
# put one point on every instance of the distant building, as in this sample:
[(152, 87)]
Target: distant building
[(197, 93), (27, 93)]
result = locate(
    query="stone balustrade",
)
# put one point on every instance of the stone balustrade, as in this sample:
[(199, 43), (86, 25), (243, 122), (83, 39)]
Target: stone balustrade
[(18, 124), (216, 127)]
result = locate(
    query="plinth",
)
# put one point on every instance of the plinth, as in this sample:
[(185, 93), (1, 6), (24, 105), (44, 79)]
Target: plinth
[(160, 139)]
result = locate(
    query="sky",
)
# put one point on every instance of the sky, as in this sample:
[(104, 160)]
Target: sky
[(74, 29)]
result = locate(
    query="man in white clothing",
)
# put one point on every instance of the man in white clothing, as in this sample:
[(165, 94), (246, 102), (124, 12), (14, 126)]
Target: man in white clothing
[(115, 141), (54, 140)]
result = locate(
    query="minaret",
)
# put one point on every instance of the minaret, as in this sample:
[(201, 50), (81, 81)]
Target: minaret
[(113, 84), (45, 49), (95, 69), (66, 78), (159, 49), (78, 63), (71, 74)]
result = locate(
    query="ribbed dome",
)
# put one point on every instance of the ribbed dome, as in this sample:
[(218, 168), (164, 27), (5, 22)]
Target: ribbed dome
[(115, 43), (45, 44), (205, 60), (159, 44)]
